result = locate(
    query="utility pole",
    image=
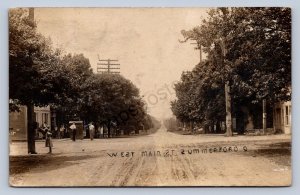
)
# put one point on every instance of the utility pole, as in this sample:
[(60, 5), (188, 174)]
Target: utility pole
[(105, 66), (227, 86), (198, 47), (227, 94)]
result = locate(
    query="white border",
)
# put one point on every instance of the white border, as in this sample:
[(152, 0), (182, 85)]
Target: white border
[(5, 4)]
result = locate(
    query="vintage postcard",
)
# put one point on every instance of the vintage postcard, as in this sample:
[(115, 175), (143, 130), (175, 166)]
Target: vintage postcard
[(150, 97)]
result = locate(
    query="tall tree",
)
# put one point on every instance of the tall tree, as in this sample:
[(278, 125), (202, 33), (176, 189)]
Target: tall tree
[(251, 48), (38, 74), (112, 99), (76, 69), (27, 49)]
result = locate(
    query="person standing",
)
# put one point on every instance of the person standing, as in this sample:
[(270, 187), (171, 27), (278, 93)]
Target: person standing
[(73, 129), (101, 132), (45, 129), (49, 141), (56, 132), (92, 130), (61, 131)]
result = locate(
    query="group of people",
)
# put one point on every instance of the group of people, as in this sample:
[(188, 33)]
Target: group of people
[(91, 129), (45, 130), (63, 132)]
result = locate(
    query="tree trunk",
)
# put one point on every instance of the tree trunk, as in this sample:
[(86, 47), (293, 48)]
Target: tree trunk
[(30, 129), (108, 130), (218, 127), (228, 110), (264, 116)]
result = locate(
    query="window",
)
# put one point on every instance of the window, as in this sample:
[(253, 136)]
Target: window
[(290, 115), (287, 115), (45, 118), (35, 116), (282, 116)]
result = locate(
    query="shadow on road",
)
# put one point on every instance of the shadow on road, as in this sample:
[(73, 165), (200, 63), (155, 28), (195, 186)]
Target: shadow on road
[(22, 164), (280, 153)]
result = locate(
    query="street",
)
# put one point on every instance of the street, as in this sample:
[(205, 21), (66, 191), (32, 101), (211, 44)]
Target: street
[(159, 159), (219, 78)]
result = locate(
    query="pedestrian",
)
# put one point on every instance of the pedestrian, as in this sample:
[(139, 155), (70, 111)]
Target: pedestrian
[(36, 129), (73, 129), (44, 129), (61, 131), (101, 132), (48, 142), (92, 130), (56, 132)]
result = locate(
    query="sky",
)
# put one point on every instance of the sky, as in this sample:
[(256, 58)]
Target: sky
[(145, 41)]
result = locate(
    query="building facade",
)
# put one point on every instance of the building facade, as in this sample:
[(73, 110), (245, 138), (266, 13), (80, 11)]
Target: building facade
[(18, 124), (18, 121), (283, 117), (42, 115)]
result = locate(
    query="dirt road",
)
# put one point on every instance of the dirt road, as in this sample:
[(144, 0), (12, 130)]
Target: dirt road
[(160, 159)]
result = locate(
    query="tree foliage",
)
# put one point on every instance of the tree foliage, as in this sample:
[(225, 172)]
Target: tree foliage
[(41, 75), (76, 70), (27, 48), (112, 99), (38, 73), (251, 48)]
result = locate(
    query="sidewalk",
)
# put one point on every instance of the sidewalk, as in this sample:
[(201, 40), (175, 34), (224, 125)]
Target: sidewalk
[(67, 146)]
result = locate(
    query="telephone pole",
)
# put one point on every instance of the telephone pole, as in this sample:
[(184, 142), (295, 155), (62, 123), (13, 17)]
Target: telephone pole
[(106, 67), (227, 94)]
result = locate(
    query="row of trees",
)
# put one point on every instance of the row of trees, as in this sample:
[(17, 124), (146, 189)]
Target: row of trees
[(40, 75), (248, 47)]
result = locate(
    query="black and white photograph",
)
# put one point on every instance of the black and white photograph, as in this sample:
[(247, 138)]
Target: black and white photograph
[(150, 97)]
